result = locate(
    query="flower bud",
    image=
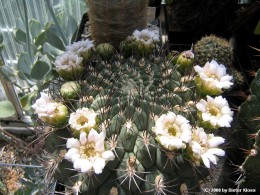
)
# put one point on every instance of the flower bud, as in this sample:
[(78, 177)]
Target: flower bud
[(70, 90), (105, 51), (185, 60)]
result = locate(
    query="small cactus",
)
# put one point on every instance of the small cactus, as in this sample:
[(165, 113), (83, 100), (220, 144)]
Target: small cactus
[(213, 48), (135, 127)]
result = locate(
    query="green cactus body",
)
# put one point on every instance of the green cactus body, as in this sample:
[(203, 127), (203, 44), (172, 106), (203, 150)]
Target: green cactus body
[(213, 48), (133, 129), (112, 21), (248, 117), (128, 94)]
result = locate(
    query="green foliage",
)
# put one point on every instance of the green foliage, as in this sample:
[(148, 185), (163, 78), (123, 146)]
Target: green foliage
[(35, 65), (1, 42), (7, 109)]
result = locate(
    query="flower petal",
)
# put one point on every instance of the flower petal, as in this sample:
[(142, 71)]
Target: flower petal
[(72, 143), (205, 160), (108, 155), (83, 138), (99, 165)]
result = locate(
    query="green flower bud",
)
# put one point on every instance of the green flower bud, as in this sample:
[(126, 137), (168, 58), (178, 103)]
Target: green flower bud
[(59, 118), (185, 60), (70, 90), (105, 51)]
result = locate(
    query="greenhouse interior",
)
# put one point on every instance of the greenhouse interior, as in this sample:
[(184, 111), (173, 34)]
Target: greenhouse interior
[(115, 97)]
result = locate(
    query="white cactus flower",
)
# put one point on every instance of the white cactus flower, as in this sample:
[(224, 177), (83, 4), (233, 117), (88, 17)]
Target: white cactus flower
[(88, 154), (204, 147), (146, 36), (214, 113), (49, 111), (212, 78), (172, 131), (83, 119), (44, 106), (80, 47), (67, 61)]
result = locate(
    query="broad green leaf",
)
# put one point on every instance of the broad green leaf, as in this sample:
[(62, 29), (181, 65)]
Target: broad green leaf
[(20, 24), (26, 78), (40, 39), (61, 20), (20, 36), (1, 38), (7, 109), (26, 101), (1, 47), (51, 51), (72, 26), (40, 70), (74, 36), (54, 40), (24, 63), (7, 72), (35, 28)]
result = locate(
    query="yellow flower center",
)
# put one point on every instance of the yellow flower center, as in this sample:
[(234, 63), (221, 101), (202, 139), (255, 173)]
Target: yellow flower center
[(173, 129), (213, 76), (88, 150), (213, 111), (82, 120)]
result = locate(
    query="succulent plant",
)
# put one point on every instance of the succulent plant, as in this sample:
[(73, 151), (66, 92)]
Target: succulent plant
[(248, 117), (121, 19), (135, 128), (212, 47)]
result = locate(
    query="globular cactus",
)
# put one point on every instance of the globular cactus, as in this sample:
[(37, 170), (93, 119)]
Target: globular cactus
[(134, 128), (212, 47), (248, 117), (112, 21)]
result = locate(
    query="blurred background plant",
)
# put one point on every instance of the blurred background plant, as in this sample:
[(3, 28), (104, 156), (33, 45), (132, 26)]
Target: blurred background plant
[(32, 33)]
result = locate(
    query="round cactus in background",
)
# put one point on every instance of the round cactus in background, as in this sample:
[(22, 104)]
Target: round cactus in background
[(210, 48)]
